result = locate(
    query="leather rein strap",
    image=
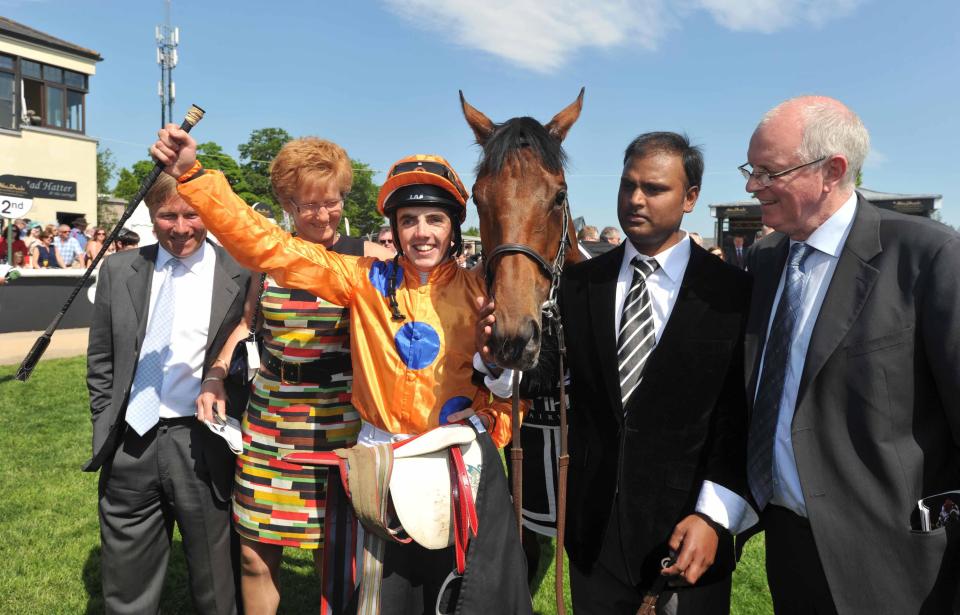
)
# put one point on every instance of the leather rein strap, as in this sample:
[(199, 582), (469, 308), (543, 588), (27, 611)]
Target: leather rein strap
[(550, 312)]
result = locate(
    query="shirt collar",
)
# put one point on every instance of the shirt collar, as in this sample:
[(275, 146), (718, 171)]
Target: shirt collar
[(195, 263), (672, 261), (830, 236)]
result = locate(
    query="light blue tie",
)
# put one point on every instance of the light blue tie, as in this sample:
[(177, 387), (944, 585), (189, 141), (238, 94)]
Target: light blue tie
[(143, 409), (766, 406)]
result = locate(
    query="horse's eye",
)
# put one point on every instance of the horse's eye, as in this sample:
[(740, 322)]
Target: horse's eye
[(560, 198)]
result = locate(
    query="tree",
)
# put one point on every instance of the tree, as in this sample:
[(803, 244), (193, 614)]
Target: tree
[(128, 183), (212, 156), (360, 206), (106, 167), (472, 231), (255, 157)]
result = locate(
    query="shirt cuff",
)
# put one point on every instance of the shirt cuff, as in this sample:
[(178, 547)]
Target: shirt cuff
[(725, 508), (501, 386)]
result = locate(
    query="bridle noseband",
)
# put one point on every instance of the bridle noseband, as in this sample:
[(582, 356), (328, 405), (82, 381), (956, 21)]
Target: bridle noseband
[(554, 271)]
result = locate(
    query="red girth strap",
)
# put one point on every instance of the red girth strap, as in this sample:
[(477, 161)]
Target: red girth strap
[(465, 522)]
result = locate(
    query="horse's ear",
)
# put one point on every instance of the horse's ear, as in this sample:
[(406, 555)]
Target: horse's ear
[(480, 124), (562, 121)]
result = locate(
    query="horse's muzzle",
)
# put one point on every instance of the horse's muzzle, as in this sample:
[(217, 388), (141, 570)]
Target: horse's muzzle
[(519, 350)]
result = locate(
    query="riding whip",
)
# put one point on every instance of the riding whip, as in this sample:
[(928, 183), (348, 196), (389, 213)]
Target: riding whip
[(194, 115)]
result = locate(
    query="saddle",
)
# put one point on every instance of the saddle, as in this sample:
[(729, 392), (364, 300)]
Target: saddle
[(421, 489)]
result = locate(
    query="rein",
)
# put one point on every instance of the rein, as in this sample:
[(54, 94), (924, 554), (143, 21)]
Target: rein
[(550, 313)]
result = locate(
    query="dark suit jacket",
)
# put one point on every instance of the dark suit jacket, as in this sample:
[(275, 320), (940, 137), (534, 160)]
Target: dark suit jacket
[(117, 331), (685, 422), (877, 421), (730, 256)]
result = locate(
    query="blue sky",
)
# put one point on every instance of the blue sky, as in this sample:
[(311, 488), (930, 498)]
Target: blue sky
[(381, 78)]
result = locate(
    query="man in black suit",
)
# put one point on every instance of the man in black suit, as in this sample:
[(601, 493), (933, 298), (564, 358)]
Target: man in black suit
[(736, 254), (657, 426), (162, 313), (853, 352)]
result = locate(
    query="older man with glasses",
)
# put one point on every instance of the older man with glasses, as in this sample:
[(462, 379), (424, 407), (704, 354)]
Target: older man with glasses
[(68, 247), (853, 367)]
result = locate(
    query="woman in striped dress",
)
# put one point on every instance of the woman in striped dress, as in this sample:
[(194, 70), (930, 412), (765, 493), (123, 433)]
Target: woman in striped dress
[(301, 394)]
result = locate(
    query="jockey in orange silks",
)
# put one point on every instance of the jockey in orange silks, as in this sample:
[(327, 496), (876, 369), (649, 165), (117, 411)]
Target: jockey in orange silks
[(412, 323)]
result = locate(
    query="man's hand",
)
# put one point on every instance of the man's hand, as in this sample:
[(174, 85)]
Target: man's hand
[(212, 393), (485, 320), (696, 543), (175, 149)]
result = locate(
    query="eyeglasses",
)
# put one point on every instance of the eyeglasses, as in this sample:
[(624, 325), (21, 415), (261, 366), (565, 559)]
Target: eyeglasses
[(765, 178), (386, 242), (314, 208)]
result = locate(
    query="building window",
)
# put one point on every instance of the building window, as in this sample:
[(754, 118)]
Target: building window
[(54, 115), (6, 100), (8, 78), (74, 111), (53, 97)]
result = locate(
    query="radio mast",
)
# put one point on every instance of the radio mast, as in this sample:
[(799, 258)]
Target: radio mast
[(168, 38)]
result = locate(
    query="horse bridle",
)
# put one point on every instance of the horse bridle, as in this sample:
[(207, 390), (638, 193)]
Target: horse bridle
[(550, 312), (553, 271)]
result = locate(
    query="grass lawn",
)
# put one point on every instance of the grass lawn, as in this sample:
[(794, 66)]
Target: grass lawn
[(48, 513)]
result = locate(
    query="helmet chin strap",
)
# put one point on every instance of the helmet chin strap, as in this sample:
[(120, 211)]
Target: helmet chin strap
[(455, 250)]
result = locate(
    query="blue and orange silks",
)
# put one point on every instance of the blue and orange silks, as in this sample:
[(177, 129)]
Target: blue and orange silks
[(408, 376)]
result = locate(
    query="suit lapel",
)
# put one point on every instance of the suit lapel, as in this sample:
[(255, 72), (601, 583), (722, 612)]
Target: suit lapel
[(603, 295), (852, 282), (225, 289), (138, 285), (769, 267), (681, 324)]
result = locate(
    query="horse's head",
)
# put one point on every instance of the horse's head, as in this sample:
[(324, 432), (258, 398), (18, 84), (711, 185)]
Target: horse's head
[(525, 224)]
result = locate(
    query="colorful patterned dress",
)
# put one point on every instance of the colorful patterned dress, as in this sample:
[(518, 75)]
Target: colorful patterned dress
[(275, 501)]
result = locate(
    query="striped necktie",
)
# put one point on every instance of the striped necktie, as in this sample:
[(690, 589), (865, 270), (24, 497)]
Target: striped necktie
[(776, 357), (143, 409), (637, 336)]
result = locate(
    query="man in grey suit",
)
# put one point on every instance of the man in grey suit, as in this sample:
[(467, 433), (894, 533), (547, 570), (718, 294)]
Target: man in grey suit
[(853, 355), (162, 314)]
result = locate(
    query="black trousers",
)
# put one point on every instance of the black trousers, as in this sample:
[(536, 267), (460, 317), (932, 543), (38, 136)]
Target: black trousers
[(607, 589), (151, 483), (798, 584)]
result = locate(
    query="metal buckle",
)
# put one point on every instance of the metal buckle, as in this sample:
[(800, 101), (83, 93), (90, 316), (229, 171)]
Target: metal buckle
[(284, 366)]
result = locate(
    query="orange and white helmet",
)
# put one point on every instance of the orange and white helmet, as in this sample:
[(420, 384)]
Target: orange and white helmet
[(423, 179)]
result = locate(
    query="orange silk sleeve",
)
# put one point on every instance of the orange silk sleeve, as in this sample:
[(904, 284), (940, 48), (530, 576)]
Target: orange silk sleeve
[(499, 411), (261, 245)]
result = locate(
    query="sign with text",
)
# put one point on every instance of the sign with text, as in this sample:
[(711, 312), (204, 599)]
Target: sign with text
[(14, 206), (40, 187)]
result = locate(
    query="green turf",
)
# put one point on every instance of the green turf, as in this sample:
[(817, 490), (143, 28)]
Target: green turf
[(49, 538)]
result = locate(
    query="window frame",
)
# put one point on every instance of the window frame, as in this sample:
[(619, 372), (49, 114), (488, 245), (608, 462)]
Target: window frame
[(15, 119), (20, 79)]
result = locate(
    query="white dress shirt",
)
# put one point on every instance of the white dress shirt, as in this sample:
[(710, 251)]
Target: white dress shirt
[(183, 362), (725, 507), (818, 268)]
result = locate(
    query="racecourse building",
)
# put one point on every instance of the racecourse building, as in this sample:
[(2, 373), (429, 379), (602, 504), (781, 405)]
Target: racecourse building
[(45, 153)]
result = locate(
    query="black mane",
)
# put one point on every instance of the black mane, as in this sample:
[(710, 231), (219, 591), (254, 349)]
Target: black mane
[(514, 134)]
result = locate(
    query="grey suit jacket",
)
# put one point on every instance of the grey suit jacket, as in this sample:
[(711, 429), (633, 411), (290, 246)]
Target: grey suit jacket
[(877, 422), (117, 331)]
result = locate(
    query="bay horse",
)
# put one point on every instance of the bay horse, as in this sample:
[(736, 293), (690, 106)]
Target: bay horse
[(528, 236), (526, 229)]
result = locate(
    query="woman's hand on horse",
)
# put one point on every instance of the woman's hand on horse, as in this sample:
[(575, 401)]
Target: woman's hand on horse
[(175, 149), (696, 541), (485, 320), (456, 417)]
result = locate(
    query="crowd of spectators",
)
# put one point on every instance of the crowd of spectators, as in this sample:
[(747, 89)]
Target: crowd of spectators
[(50, 246)]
